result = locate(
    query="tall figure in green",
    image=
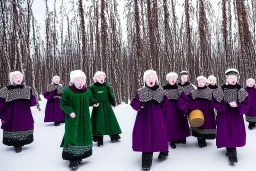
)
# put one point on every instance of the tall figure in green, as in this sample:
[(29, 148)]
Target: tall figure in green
[(103, 119), (75, 102)]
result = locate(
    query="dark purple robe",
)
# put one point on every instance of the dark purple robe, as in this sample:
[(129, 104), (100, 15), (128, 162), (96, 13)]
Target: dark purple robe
[(176, 123), (190, 103), (17, 121), (251, 114), (53, 112), (149, 132), (230, 123)]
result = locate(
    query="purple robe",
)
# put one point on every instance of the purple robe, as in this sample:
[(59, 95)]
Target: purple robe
[(53, 112), (149, 132), (251, 114), (16, 115), (176, 123), (230, 124), (208, 129)]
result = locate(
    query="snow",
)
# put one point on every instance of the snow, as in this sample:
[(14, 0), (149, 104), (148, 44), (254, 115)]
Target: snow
[(45, 152)]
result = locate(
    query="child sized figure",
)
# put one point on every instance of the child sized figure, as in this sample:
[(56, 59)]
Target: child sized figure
[(53, 112), (212, 80), (149, 132), (103, 118), (251, 114), (15, 113), (232, 103), (176, 123), (75, 101)]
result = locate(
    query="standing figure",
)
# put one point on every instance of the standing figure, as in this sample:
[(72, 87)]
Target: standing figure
[(201, 99), (15, 113), (251, 114), (53, 112), (186, 85), (232, 103), (149, 132), (103, 118), (212, 80), (75, 102), (176, 123)]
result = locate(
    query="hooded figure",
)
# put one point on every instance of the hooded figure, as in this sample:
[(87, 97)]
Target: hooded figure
[(53, 112), (149, 132), (75, 102), (103, 118), (15, 113), (231, 102)]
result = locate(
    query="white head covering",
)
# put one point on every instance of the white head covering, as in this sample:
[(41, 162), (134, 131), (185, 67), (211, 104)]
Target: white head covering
[(147, 73), (202, 78), (171, 74), (13, 74), (55, 77), (250, 79), (97, 74), (77, 74)]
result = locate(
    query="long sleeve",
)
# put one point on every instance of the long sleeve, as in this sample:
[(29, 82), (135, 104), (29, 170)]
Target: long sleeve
[(92, 100), (244, 106), (219, 106), (183, 102), (50, 95), (111, 96), (33, 101), (135, 103), (3, 107), (65, 104)]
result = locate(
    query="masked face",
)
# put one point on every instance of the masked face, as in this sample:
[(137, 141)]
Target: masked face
[(100, 79), (172, 80), (212, 81), (201, 83), (232, 79), (79, 82), (184, 78), (250, 83), (150, 80), (17, 79), (56, 81)]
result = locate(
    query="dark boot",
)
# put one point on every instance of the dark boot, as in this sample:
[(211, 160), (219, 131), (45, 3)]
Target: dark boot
[(56, 123), (73, 164), (251, 125), (100, 140), (95, 138), (232, 155), (163, 155), (201, 142), (18, 149), (115, 137), (80, 161), (147, 158), (173, 145)]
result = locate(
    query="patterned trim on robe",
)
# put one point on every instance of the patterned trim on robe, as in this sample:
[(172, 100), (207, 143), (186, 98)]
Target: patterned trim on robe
[(18, 137), (250, 118), (234, 95), (205, 93), (18, 93), (188, 89), (77, 150), (146, 94), (52, 87), (173, 93), (218, 94)]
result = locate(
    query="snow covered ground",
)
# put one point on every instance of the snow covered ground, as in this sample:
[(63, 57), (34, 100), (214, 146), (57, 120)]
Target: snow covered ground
[(44, 154)]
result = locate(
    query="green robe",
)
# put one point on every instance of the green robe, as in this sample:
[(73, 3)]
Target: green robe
[(77, 141), (104, 121)]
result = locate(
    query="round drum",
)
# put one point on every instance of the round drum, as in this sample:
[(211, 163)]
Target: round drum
[(196, 118)]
